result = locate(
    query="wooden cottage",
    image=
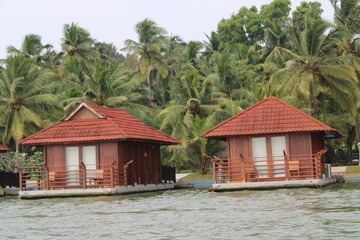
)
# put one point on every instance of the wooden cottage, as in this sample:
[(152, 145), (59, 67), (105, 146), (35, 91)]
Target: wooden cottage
[(271, 141), (96, 147), (4, 149)]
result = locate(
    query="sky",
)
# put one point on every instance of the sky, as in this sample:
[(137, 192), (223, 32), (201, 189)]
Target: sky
[(114, 21)]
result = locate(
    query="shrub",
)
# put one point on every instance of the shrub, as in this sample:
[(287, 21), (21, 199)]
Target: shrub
[(9, 161)]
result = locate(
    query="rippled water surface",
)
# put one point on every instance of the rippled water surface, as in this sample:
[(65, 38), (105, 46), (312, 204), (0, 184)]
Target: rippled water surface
[(331, 213)]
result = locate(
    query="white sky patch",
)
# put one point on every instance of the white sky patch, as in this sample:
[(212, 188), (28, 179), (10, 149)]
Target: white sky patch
[(114, 21)]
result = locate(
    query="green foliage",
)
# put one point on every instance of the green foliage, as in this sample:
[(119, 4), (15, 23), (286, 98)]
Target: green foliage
[(244, 27), (307, 11), (77, 42), (347, 14), (9, 161), (25, 98)]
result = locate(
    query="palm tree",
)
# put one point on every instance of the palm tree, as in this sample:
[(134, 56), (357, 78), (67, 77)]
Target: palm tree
[(313, 67), (25, 101), (77, 42), (191, 97), (103, 84), (212, 45), (108, 51), (31, 47), (347, 14), (192, 151), (351, 55), (148, 54)]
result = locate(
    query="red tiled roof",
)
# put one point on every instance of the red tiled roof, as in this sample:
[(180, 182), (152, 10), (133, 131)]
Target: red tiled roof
[(271, 115), (3, 148), (117, 125)]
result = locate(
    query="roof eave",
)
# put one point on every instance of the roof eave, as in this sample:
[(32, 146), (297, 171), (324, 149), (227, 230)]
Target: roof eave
[(327, 134), (102, 140)]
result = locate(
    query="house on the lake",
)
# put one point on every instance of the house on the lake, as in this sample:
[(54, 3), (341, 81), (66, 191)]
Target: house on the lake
[(96, 148), (4, 149), (271, 145)]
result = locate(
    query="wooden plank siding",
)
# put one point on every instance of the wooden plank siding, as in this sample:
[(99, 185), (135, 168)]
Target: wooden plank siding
[(146, 166), (300, 144), (83, 113), (237, 146), (317, 141)]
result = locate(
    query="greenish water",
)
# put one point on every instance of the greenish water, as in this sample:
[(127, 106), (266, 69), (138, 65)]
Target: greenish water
[(330, 213)]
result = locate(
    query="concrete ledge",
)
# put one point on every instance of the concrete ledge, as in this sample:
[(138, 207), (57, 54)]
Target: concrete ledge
[(315, 183), (11, 191), (94, 192)]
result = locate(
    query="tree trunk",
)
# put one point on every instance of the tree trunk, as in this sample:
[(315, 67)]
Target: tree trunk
[(310, 100), (203, 165), (149, 88), (357, 129), (357, 125), (17, 145)]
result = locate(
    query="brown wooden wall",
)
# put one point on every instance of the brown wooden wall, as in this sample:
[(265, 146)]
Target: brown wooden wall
[(237, 146), (83, 113), (108, 153), (300, 143), (55, 157), (317, 141), (146, 165), (318, 144)]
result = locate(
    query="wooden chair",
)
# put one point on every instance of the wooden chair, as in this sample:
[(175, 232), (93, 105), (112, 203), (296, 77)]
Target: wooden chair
[(250, 173), (294, 169), (98, 179), (52, 180)]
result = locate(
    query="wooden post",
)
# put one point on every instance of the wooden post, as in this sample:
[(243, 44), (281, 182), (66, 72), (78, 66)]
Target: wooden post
[(112, 175), (20, 179), (84, 176), (125, 172), (214, 169), (286, 160), (243, 167), (47, 179)]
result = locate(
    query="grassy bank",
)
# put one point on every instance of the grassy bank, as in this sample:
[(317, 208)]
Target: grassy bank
[(353, 169), (197, 177)]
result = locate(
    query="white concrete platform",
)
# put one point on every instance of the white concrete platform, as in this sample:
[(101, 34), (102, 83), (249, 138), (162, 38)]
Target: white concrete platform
[(95, 191), (315, 183)]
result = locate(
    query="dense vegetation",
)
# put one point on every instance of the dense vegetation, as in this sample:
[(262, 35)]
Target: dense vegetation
[(184, 88)]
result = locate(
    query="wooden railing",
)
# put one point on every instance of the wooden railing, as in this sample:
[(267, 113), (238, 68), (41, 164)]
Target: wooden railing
[(72, 177), (275, 168)]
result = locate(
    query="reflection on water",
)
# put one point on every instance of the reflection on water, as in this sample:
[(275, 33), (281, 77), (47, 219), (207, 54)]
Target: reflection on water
[(331, 213)]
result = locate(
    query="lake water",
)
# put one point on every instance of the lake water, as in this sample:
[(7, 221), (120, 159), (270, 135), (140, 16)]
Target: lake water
[(330, 213)]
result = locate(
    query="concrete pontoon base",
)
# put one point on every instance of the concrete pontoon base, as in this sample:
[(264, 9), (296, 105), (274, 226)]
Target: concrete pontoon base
[(314, 183), (94, 192)]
